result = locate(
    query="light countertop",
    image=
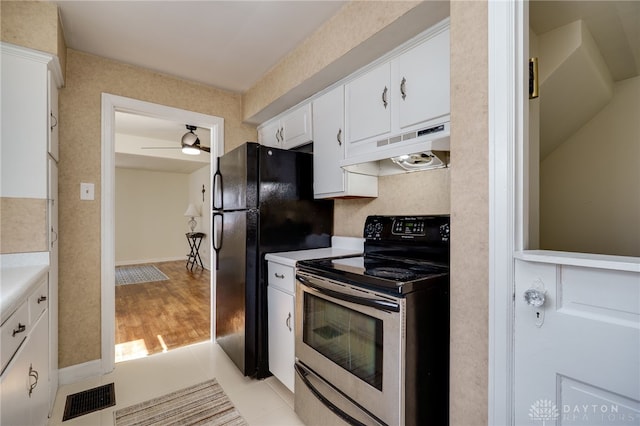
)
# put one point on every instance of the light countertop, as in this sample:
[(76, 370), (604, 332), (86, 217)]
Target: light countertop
[(340, 246), (17, 281)]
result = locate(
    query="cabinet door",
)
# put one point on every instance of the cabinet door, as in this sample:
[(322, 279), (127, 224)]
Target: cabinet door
[(53, 278), (281, 335), (368, 104), (28, 372), (297, 127), (38, 350), (270, 134), (24, 130), (328, 147), (421, 83), (53, 118)]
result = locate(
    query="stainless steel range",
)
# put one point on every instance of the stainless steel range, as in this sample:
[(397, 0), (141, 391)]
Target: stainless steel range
[(372, 331)]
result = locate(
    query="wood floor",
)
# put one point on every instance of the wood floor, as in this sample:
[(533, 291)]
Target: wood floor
[(159, 316)]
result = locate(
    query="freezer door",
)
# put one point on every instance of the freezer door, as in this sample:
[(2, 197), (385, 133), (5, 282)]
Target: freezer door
[(290, 219), (237, 179), (235, 286)]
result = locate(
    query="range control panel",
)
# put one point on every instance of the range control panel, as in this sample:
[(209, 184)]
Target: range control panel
[(418, 228)]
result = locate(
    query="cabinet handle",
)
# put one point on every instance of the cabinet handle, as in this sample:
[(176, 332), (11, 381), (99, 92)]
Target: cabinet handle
[(278, 135), (56, 121), (288, 321), (281, 134), (55, 234), (41, 299), (281, 276), (403, 88), (339, 137), (384, 97), (21, 329), (32, 374)]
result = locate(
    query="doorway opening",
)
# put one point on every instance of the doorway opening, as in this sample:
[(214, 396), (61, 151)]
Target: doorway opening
[(116, 106), (160, 303)]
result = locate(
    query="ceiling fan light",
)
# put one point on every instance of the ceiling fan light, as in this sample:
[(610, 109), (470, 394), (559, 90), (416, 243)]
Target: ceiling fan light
[(189, 150), (190, 138)]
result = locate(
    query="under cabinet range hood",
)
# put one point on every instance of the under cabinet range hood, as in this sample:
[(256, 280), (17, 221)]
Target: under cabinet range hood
[(424, 149)]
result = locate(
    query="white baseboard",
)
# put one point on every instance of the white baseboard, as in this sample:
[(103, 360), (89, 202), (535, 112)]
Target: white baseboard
[(141, 261), (79, 372)]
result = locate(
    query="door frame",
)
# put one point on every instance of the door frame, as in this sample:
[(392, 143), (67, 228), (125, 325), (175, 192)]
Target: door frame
[(111, 104), (508, 193)]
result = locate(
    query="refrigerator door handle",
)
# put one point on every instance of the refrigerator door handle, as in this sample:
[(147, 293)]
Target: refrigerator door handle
[(218, 220), (217, 188)]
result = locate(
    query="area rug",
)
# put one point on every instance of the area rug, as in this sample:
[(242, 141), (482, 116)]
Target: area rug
[(202, 404), (138, 274)]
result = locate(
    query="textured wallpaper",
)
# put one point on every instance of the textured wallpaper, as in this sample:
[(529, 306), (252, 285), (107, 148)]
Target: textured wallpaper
[(23, 225), (33, 24), (88, 77), (469, 214), (414, 193)]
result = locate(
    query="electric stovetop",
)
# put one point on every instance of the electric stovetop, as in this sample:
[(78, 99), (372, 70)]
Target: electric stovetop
[(402, 254)]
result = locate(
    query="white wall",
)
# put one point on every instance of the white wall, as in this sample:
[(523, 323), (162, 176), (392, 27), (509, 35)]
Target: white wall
[(590, 185), (196, 180), (150, 221)]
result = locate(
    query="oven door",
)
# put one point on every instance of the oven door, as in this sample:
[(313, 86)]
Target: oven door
[(352, 340)]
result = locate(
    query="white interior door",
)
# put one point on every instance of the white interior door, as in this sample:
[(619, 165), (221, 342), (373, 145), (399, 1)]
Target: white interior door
[(577, 356)]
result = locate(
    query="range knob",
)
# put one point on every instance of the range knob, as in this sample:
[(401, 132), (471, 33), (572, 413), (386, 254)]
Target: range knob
[(444, 232), (368, 230), (378, 228)]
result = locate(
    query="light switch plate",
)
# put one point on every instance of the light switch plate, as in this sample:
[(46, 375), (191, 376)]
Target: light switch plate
[(86, 191)]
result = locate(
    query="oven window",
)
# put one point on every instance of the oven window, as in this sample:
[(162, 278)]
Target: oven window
[(349, 338)]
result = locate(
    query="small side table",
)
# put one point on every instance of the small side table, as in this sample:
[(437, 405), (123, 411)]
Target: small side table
[(193, 258)]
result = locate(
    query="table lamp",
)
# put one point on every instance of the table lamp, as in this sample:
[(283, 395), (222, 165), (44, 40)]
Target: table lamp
[(192, 212)]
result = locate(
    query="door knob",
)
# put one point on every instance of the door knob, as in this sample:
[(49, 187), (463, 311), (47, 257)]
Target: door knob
[(534, 297)]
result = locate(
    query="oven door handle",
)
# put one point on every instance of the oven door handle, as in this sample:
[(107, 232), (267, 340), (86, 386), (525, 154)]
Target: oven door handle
[(303, 373), (383, 305)]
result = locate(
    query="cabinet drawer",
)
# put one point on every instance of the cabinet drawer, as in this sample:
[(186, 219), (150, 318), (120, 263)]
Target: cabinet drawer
[(282, 277), (38, 302), (13, 331)]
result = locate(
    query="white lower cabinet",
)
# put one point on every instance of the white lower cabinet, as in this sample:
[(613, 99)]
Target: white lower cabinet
[(25, 383), (281, 311)]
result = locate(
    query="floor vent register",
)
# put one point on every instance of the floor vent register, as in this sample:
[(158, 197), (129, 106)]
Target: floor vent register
[(85, 402)]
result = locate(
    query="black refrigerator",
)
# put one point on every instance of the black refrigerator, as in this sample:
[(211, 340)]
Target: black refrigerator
[(263, 203)]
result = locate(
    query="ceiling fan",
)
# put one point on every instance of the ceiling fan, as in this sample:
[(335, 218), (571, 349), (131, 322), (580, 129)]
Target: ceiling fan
[(190, 143)]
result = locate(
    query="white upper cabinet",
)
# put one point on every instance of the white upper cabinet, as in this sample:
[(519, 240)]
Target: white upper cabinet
[(328, 146), (396, 105), (367, 101), (297, 127), (329, 179), (54, 150), (30, 81), (269, 134), (407, 93), (289, 131), (421, 82)]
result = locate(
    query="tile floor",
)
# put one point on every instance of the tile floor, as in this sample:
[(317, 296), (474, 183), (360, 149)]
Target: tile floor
[(261, 402)]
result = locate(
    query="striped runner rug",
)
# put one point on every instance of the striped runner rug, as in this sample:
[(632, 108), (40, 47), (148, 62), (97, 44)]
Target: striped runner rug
[(202, 404)]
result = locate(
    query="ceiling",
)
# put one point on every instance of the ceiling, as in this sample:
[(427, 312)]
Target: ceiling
[(614, 25), (148, 143), (225, 44), (232, 44)]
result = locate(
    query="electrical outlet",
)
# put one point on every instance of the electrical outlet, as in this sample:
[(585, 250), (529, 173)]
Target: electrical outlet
[(86, 191)]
